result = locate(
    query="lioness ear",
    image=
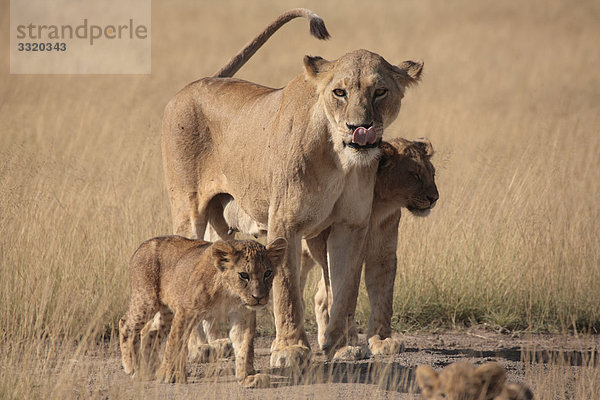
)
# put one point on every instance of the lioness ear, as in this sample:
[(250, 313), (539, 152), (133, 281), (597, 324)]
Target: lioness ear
[(409, 72), (314, 65), (425, 146), (493, 377), (223, 254), (427, 379), (276, 251)]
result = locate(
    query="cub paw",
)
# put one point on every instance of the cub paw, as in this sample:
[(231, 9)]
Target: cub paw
[(385, 347), (295, 356), (352, 353), (223, 348), (258, 381), (203, 353)]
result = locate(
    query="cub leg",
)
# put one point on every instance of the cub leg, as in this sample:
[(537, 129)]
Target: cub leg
[(173, 368), (243, 326), (380, 273), (141, 309), (151, 337)]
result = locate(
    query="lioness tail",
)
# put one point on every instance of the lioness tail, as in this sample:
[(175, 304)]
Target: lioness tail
[(317, 29)]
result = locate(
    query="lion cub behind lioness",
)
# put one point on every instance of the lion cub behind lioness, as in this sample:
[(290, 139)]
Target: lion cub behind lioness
[(186, 281)]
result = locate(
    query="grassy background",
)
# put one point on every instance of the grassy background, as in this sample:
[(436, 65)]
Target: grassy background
[(509, 100)]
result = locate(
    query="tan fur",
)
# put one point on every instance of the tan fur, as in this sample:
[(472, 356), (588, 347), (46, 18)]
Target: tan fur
[(183, 281), (285, 156), (405, 179), (464, 381)]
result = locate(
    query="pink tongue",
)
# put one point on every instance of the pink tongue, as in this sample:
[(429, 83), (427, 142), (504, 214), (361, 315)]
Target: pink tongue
[(362, 136)]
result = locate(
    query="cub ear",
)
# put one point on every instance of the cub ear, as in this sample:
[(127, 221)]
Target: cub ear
[(223, 254), (427, 379), (315, 65), (425, 146), (518, 391), (409, 72), (276, 251), (493, 376)]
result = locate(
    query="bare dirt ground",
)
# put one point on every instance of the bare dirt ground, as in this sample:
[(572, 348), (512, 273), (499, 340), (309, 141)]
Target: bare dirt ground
[(376, 377)]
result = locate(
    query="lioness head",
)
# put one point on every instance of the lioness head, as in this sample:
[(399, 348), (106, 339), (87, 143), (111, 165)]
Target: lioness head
[(361, 93), (406, 175), (464, 381), (248, 268)]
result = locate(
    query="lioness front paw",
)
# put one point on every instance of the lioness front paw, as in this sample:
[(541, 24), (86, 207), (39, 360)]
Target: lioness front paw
[(385, 347), (295, 356), (203, 353), (352, 353), (257, 381)]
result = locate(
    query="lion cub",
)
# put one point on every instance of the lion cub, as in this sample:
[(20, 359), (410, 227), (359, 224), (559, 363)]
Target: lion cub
[(186, 281), (463, 381)]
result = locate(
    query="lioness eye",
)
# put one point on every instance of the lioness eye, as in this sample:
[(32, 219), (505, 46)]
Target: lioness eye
[(380, 92), (339, 92), (417, 177), (268, 274), (244, 276)]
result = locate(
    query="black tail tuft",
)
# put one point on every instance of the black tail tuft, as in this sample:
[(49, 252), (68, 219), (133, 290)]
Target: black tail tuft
[(318, 29)]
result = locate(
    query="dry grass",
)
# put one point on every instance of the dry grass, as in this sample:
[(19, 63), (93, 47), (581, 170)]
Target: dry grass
[(509, 99)]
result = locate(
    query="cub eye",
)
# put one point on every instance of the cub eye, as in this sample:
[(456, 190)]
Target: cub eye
[(244, 276), (268, 274), (380, 92), (339, 92)]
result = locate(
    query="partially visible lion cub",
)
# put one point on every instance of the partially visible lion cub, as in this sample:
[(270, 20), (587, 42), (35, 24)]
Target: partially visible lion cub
[(186, 281), (464, 381)]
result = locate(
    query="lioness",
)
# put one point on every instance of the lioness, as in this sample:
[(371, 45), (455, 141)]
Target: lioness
[(463, 381), (298, 160), (186, 281), (405, 179)]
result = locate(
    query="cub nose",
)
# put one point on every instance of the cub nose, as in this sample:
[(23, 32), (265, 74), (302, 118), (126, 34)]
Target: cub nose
[(354, 127), (258, 298)]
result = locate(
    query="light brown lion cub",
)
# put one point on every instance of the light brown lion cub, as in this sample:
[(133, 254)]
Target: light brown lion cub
[(464, 381), (186, 281)]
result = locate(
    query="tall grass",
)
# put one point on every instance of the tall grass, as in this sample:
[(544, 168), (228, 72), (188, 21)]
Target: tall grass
[(509, 100)]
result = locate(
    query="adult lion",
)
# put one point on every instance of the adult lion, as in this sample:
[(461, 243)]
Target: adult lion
[(298, 159)]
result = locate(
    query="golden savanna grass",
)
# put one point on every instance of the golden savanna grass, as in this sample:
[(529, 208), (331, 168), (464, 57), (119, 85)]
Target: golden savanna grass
[(510, 100)]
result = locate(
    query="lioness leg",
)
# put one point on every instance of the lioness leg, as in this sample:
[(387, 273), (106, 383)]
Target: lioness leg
[(345, 247), (318, 252), (243, 327), (380, 273), (290, 347)]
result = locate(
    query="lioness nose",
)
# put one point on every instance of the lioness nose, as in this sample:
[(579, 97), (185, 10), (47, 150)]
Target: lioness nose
[(354, 127), (433, 199)]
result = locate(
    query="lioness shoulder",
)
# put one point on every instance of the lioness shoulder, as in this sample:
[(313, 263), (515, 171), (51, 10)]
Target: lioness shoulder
[(187, 280)]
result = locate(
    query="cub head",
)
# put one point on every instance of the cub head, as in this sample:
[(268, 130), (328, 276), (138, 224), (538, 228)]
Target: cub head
[(248, 267), (361, 93), (406, 175), (461, 381)]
